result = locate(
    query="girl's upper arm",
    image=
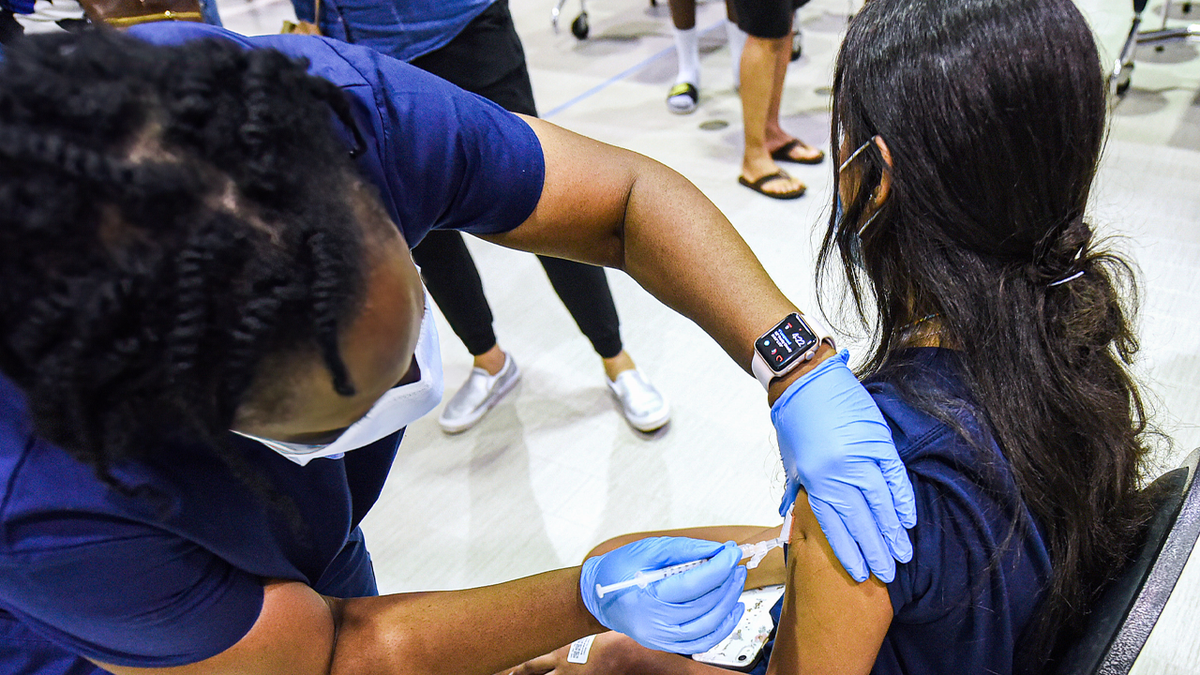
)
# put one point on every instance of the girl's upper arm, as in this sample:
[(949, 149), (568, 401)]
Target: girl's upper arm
[(830, 623)]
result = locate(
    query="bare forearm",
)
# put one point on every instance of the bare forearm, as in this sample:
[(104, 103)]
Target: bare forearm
[(615, 654), (479, 630), (607, 206), (650, 662), (682, 249)]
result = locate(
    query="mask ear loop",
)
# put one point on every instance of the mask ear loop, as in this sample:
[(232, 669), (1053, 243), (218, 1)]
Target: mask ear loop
[(867, 224), (846, 163), (856, 153)]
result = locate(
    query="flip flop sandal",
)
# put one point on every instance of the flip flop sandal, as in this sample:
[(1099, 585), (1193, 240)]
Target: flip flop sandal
[(784, 153), (758, 185), (682, 98)]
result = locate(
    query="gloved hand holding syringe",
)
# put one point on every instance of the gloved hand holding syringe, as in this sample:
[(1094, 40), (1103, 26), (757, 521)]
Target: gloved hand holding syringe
[(751, 553)]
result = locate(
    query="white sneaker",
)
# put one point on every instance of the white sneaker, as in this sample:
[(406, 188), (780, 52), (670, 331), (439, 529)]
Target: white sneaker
[(478, 395), (644, 408)]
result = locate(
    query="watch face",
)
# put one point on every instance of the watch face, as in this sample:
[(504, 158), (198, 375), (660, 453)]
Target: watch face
[(787, 342)]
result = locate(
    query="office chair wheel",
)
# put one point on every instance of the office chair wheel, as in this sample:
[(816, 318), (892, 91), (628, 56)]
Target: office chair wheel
[(579, 27), (1120, 79), (797, 38), (654, 3)]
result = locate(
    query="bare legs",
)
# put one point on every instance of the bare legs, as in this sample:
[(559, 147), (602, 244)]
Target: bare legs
[(493, 360), (683, 14), (684, 93), (764, 63)]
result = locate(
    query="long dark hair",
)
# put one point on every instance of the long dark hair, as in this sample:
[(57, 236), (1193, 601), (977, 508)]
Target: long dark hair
[(169, 216), (993, 112)]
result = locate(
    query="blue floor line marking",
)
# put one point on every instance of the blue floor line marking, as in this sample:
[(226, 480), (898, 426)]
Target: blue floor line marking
[(617, 78)]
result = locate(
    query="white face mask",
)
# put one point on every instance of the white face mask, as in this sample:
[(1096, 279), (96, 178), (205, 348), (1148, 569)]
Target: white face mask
[(396, 409)]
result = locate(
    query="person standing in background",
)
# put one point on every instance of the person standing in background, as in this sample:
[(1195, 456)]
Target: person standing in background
[(764, 64), (685, 93), (474, 45)]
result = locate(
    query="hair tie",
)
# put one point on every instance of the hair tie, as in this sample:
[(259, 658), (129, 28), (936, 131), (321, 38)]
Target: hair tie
[(1066, 279), (1074, 259)]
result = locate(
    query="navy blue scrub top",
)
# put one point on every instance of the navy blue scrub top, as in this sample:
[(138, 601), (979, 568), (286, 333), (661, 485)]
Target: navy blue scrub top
[(85, 571), (962, 602)]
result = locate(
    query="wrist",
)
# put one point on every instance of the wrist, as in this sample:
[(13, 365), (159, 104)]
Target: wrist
[(622, 653), (788, 350), (780, 384)]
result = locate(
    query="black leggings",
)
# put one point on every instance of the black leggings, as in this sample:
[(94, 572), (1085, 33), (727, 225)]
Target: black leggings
[(486, 58), (453, 281), (9, 28)]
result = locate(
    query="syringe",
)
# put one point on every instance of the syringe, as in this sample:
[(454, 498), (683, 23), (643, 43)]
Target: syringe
[(752, 553)]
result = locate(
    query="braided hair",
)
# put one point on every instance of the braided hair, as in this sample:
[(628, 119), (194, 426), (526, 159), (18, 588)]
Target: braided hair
[(169, 216)]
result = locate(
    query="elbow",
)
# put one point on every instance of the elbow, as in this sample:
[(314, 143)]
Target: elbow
[(364, 644)]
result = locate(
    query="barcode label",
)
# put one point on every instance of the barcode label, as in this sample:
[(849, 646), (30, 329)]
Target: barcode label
[(580, 649)]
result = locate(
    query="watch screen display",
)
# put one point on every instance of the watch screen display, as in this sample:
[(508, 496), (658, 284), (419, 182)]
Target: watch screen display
[(791, 339)]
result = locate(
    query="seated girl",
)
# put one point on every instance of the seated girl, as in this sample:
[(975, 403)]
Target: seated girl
[(969, 133)]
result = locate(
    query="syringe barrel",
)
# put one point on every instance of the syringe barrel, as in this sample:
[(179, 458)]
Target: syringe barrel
[(644, 578)]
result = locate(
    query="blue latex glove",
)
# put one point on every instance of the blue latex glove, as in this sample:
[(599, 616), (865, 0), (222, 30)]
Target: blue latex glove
[(835, 443), (688, 613)]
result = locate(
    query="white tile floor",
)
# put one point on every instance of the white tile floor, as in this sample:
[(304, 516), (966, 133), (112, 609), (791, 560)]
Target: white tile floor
[(554, 469)]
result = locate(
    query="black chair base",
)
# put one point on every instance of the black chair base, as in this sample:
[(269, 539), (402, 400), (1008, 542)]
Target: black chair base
[(1120, 77), (579, 27)]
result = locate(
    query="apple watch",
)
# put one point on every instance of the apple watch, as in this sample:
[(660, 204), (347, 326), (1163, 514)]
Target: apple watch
[(793, 341)]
